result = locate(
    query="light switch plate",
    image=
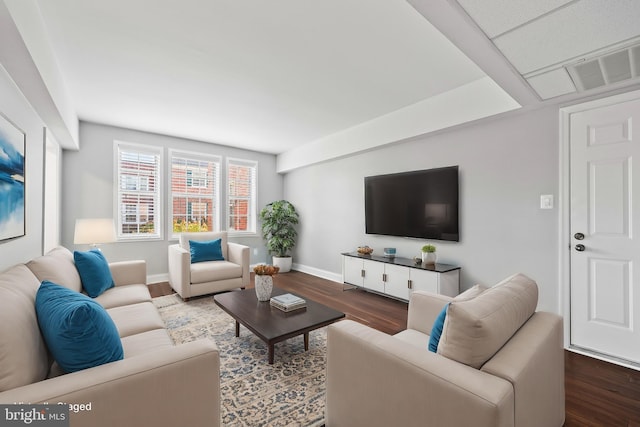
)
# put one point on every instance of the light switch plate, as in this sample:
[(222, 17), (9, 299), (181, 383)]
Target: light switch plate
[(546, 201)]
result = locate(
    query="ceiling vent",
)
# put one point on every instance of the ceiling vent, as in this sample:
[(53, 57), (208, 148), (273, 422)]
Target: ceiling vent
[(606, 69)]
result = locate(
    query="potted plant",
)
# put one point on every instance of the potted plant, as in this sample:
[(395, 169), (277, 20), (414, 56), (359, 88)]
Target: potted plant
[(264, 280), (278, 220), (429, 255)]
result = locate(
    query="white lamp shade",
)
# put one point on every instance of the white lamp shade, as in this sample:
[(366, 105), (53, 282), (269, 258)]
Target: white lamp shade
[(92, 231)]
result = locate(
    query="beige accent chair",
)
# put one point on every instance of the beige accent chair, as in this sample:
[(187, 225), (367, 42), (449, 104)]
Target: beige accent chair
[(498, 363), (202, 278)]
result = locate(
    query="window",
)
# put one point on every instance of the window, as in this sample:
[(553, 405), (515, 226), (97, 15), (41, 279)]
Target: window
[(197, 178), (241, 195), (195, 195), (138, 191)]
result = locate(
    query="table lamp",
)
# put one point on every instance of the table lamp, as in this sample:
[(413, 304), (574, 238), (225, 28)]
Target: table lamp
[(94, 231)]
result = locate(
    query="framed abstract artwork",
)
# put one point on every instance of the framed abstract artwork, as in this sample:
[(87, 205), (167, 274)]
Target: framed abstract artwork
[(12, 180)]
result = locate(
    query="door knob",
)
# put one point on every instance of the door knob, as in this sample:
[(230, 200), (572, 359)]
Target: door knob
[(578, 236), (580, 248)]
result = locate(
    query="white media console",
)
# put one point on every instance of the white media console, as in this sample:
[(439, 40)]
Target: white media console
[(398, 277)]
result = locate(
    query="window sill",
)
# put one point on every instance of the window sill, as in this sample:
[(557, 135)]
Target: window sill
[(139, 239), (242, 234)]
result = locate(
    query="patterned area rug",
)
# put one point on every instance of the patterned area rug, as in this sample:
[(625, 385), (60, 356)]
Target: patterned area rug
[(288, 393)]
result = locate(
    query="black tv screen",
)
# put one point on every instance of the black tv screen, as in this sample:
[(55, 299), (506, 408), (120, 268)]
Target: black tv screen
[(421, 204)]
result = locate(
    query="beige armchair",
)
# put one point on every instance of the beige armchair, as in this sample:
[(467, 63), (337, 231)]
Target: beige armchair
[(498, 364), (190, 280)]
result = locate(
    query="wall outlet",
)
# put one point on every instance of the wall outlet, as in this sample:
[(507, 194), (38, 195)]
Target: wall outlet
[(546, 201)]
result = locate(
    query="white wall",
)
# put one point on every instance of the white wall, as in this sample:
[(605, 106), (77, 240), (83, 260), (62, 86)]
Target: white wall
[(88, 190), (505, 165), (15, 107)]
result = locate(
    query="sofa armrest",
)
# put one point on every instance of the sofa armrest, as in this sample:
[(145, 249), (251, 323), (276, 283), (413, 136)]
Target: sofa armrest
[(374, 379), (424, 307), (180, 270), (533, 361), (239, 254), (133, 391), (129, 272)]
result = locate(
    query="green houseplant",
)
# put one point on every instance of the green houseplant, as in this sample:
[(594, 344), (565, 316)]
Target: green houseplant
[(429, 254), (278, 221)]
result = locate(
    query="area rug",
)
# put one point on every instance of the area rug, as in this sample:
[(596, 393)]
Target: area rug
[(288, 393)]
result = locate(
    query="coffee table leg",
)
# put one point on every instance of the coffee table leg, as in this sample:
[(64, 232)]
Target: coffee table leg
[(237, 328), (306, 341), (271, 349)]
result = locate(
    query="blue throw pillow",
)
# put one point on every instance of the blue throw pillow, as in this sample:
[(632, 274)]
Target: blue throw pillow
[(94, 271), (436, 330), (78, 331), (210, 250)]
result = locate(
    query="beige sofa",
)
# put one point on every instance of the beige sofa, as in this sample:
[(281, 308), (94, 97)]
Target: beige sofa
[(498, 364), (130, 392), (202, 278)]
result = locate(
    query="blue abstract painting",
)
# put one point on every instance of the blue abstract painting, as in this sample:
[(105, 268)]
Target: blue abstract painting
[(12, 194)]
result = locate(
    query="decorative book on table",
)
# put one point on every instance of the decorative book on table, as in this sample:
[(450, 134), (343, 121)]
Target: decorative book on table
[(288, 302)]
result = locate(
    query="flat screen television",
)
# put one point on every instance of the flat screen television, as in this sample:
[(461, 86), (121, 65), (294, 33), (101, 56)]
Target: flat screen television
[(421, 204)]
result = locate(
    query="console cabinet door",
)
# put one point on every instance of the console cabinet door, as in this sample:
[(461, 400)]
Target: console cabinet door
[(397, 281), (352, 270), (438, 283), (373, 272), (423, 280)]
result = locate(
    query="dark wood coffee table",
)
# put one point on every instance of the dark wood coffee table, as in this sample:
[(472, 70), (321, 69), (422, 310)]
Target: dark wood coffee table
[(270, 324)]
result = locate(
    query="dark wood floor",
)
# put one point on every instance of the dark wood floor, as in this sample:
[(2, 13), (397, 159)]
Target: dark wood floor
[(597, 393)]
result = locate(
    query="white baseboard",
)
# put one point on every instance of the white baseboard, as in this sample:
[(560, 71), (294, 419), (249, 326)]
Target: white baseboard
[(605, 358), (324, 274), (157, 278)]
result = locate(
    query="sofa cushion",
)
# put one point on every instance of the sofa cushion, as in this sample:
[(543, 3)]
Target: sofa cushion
[(78, 331), (124, 295), (146, 342), (471, 293), (210, 250), (94, 271), (413, 337), (203, 237), (474, 330), (23, 353), (57, 266), (136, 318), (436, 329), (214, 270)]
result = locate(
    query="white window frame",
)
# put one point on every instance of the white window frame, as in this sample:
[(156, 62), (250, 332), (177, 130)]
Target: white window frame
[(253, 198), (216, 182), (143, 189)]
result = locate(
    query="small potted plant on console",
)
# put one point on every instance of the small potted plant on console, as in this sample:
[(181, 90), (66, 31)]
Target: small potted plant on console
[(429, 255)]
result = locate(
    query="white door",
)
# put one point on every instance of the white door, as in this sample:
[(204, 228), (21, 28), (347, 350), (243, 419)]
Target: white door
[(605, 253)]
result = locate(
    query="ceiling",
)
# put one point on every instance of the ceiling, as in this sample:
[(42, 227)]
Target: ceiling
[(281, 75), (544, 39)]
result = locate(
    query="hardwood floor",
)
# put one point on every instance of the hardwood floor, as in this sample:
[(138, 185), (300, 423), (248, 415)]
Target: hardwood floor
[(598, 394)]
